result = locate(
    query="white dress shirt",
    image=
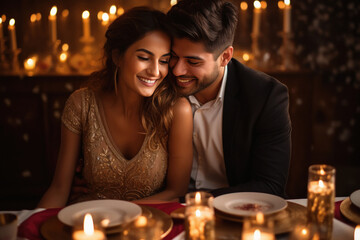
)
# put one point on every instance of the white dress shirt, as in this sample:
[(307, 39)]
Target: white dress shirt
[(208, 170)]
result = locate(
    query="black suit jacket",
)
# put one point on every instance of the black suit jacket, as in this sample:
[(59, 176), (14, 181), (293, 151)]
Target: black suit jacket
[(256, 132)]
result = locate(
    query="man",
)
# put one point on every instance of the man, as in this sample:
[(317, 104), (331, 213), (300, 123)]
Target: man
[(241, 122)]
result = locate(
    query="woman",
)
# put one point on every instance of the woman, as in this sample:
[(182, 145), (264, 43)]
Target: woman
[(135, 134)]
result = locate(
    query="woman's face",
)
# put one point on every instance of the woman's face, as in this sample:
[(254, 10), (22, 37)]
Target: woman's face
[(145, 64)]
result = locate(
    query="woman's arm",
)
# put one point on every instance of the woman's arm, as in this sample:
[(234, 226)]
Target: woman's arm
[(180, 152), (58, 192)]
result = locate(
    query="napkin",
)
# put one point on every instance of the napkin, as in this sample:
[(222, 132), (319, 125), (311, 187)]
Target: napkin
[(30, 228)]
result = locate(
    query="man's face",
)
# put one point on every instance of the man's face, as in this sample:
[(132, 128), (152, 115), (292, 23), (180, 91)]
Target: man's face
[(194, 68)]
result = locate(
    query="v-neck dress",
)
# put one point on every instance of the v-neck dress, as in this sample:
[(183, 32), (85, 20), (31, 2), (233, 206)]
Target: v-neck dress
[(108, 173)]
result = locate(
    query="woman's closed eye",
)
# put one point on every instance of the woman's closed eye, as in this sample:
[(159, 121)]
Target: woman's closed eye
[(143, 58)]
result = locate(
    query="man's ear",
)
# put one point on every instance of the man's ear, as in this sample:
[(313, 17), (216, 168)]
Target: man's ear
[(226, 56)]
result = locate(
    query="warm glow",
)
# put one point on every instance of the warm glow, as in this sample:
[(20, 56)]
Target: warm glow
[(287, 2), (357, 233), (53, 11), (197, 198), (105, 222), (33, 18), (244, 6), (281, 4), (257, 4), (141, 222), (263, 4), (198, 213), (321, 183), (322, 172), (65, 47), (246, 57), (112, 9), (63, 57), (304, 231), (65, 13), (29, 63), (105, 17), (260, 218), (99, 15), (257, 234), (0, 20), (12, 22), (3, 17), (88, 225), (173, 2), (120, 11), (38, 16), (85, 14)]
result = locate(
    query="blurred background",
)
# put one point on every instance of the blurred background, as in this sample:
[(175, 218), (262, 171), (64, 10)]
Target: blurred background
[(316, 53)]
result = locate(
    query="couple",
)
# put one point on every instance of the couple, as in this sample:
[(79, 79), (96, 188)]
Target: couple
[(141, 140)]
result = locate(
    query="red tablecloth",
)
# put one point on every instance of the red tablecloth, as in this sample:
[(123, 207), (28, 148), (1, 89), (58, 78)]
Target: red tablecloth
[(30, 228), (338, 215)]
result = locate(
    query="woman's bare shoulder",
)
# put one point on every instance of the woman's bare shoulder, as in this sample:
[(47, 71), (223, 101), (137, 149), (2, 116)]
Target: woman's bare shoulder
[(182, 106)]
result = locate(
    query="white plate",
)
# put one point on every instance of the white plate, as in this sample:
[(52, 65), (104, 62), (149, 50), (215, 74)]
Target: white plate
[(249, 203), (109, 213), (355, 198)]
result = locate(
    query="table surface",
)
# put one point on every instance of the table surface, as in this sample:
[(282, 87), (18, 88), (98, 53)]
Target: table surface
[(341, 230)]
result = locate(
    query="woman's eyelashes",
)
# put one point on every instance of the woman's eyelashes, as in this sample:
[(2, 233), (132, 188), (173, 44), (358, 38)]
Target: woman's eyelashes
[(162, 61)]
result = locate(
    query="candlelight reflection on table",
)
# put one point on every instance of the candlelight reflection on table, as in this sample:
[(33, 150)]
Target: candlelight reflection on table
[(321, 196), (143, 228)]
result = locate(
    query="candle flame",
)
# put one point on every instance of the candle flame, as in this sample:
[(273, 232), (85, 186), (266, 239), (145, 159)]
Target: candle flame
[(173, 2), (120, 11), (287, 2), (53, 11), (12, 22), (321, 183), (65, 47), (0, 20), (29, 63), (198, 213), (112, 9), (105, 17), (257, 4), (65, 13), (38, 16), (141, 222), (304, 231), (99, 15), (257, 234), (85, 14), (263, 4), (357, 233), (246, 57), (244, 6), (322, 172), (281, 4), (3, 17), (33, 18), (197, 198), (88, 225)]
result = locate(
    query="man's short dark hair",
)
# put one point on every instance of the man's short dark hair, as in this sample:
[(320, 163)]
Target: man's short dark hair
[(212, 22)]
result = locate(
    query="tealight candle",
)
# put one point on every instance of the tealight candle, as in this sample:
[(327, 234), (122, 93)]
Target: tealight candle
[(256, 18), (29, 64), (1, 29), (105, 19), (357, 233), (257, 235), (52, 22), (287, 17), (86, 24), (258, 228), (112, 12), (199, 216), (88, 232), (321, 196), (12, 33)]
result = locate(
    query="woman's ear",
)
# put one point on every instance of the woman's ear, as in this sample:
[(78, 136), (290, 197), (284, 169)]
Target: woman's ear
[(226, 55), (115, 57)]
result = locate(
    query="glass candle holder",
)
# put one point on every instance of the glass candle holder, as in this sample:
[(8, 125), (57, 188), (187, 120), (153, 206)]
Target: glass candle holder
[(257, 228), (199, 216), (320, 199), (143, 228)]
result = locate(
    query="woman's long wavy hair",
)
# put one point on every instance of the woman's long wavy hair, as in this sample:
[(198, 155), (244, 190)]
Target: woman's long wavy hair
[(156, 112)]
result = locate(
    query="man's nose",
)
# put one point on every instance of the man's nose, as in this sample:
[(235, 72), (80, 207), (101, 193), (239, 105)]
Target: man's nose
[(178, 68)]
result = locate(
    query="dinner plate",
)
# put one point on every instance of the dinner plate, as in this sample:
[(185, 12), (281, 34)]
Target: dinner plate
[(350, 211), (108, 212), (355, 198), (249, 203)]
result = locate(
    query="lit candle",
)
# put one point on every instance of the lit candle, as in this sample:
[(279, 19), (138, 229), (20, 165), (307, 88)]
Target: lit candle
[(112, 12), (86, 24), (105, 19), (287, 17), (52, 22), (88, 233), (243, 17), (357, 233), (256, 18), (173, 2), (1, 30), (257, 234), (29, 64), (120, 11), (12, 33)]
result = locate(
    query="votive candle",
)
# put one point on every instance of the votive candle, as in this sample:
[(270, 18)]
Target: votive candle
[(256, 18), (52, 22), (12, 34), (86, 24), (287, 17), (88, 232)]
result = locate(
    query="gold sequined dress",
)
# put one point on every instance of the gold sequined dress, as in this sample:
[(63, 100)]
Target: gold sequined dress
[(108, 173)]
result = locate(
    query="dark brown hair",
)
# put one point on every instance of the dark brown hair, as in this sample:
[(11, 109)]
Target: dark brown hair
[(211, 22)]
